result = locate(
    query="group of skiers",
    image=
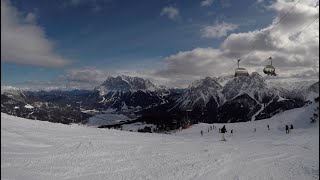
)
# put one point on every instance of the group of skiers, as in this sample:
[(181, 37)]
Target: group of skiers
[(223, 130), (287, 128), (210, 128)]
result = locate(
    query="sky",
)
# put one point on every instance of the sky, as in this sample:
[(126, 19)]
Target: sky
[(79, 43)]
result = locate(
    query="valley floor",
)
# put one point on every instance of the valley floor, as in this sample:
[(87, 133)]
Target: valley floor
[(42, 150)]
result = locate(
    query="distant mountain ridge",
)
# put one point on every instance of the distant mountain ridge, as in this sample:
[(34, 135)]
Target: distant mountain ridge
[(217, 99)]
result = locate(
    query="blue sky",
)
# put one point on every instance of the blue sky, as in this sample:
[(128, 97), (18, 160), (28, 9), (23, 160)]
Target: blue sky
[(127, 35)]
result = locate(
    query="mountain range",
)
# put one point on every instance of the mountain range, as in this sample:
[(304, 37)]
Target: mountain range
[(212, 100)]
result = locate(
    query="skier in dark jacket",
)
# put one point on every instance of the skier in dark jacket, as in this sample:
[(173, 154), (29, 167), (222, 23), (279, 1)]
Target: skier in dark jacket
[(287, 129), (201, 132), (231, 132), (291, 127), (268, 126), (223, 130)]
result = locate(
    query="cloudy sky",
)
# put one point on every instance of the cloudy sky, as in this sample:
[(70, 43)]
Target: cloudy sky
[(78, 43)]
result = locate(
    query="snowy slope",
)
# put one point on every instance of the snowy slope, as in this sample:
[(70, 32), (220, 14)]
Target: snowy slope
[(42, 150)]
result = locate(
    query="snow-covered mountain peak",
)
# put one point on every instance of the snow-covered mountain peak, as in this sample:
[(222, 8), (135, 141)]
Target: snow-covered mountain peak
[(13, 92), (200, 92), (8, 89), (126, 83), (314, 87), (253, 85), (291, 84), (205, 83), (222, 80)]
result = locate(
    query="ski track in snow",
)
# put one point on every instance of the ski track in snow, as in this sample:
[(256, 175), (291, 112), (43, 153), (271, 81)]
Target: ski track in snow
[(258, 112), (42, 150)]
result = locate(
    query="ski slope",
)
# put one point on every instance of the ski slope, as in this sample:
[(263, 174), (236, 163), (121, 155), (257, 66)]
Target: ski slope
[(41, 150)]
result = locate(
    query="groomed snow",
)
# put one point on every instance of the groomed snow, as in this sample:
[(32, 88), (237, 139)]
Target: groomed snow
[(41, 150)]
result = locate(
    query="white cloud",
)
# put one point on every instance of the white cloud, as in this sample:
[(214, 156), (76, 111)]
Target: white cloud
[(218, 30), (207, 2), (297, 59), (25, 42), (87, 75), (85, 78), (171, 12)]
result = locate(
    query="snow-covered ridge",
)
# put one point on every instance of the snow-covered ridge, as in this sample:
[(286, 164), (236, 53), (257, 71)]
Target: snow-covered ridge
[(126, 83), (303, 89), (254, 85), (13, 92), (292, 85), (8, 89), (200, 92)]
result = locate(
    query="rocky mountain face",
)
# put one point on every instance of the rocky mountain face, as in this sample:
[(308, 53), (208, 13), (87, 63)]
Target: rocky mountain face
[(254, 86), (199, 93), (13, 94), (239, 109), (212, 100), (242, 98), (123, 93)]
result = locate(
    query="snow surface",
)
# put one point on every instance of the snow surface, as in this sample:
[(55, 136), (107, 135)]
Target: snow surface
[(41, 150), (28, 106)]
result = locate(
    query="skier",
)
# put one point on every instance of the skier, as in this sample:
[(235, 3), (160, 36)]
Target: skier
[(231, 132), (268, 126), (291, 127), (287, 129), (223, 130), (219, 130), (210, 127), (201, 133), (254, 130)]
